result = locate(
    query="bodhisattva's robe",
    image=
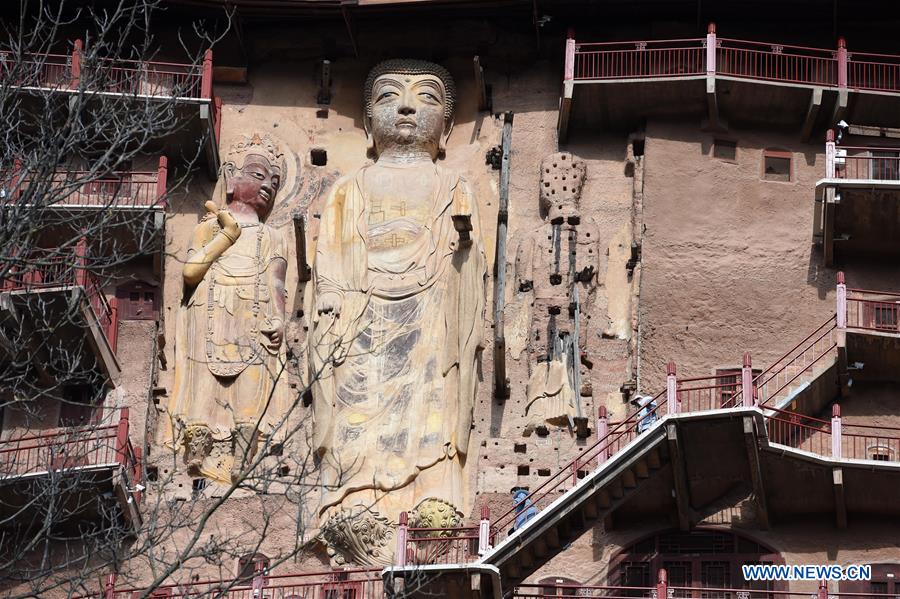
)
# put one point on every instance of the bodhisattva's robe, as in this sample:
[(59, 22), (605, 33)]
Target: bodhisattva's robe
[(224, 377), (395, 374)]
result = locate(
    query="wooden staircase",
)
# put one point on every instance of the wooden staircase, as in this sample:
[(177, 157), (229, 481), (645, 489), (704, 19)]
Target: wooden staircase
[(574, 512)]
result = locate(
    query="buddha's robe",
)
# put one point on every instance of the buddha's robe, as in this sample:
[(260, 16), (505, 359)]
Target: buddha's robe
[(395, 374)]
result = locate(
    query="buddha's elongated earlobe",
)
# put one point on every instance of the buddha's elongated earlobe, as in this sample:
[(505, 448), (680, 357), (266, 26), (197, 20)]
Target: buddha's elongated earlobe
[(445, 135), (370, 139)]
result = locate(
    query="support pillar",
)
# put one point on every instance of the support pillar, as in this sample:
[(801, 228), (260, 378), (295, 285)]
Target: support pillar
[(671, 389), (841, 297), (110, 587), (712, 100), (122, 438), (162, 174), (843, 80), (662, 584), (402, 535), (602, 432), (747, 390), (206, 76), (830, 154), (81, 272), (259, 579), (836, 431), (112, 334), (484, 530), (76, 63), (842, 63)]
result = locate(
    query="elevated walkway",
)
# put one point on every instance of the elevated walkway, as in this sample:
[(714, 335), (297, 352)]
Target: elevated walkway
[(722, 81)]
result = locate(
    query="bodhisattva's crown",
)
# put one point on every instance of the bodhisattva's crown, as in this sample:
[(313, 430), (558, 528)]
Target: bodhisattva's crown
[(261, 146)]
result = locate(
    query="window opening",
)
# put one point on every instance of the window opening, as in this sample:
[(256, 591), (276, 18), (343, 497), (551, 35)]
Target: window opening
[(776, 165), (725, 149)]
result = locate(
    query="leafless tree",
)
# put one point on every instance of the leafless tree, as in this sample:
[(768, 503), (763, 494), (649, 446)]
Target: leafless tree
[(77, 214)]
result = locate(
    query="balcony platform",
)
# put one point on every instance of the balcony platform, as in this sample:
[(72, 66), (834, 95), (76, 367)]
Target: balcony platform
[(858, 202), (187, 86), (129, 205), (88, 470), (60, 341)]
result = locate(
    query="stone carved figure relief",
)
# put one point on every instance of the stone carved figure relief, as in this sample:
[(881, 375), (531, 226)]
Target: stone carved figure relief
[(398, 310), (556, 269), (230, 384)]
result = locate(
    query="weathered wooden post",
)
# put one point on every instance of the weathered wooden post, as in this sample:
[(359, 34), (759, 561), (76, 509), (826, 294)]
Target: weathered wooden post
[(501, 384)]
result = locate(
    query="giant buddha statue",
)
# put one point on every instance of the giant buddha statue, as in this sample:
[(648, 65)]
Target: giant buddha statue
[(399, 281), (230, 384)]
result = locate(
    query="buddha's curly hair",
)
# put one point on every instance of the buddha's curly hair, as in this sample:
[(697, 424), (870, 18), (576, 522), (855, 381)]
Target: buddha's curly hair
[(412, 66)]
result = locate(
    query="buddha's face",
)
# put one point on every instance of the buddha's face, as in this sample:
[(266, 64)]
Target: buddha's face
[(408, 113), (256, 184)]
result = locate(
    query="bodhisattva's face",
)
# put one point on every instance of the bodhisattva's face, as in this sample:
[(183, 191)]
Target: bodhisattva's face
[(256, 184), (408, 113)]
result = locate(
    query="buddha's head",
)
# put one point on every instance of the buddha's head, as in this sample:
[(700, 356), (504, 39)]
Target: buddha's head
[(562, 177), (253, 172), (409, 107)]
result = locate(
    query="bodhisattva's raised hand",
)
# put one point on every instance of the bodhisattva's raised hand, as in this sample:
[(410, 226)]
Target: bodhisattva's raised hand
[(227, 224), (206, 253)]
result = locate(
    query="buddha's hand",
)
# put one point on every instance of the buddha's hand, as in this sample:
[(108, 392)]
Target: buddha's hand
[(273, 330), (227, 225), (329, 303)]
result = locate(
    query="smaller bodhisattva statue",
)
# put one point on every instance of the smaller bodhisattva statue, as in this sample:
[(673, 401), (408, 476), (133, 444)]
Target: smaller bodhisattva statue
[(230, 380), (557, 266), (399, 309)]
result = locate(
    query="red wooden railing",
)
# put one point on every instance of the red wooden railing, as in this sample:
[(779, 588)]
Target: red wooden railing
[(744, 59), (707, 393), (799, 431), (856, 441), (873, 310), (37, 70), (129, 189), (663, 589), (776, 62), (147, 78), (349, 584), (875, 72), (778, 380), (73, 447), (864, 442), (112, 75), (43, 269), (640, 60), (442, 545), (858, 162)]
